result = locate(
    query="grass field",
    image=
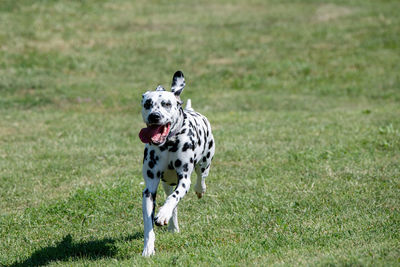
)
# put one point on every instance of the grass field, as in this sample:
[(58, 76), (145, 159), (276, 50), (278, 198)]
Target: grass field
[(303, 96)]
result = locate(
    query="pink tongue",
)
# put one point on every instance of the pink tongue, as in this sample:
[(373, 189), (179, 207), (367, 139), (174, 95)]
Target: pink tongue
[(151, 133)]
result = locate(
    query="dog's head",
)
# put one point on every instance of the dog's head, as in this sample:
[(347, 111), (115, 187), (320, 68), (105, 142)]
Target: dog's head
[(161, 110)]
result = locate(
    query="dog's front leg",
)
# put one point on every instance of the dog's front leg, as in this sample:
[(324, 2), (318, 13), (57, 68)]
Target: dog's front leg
[(148, 207), (183, 171), (173, 222)]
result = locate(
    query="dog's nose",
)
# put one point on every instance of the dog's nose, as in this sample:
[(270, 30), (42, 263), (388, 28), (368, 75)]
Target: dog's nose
[(154, 118)]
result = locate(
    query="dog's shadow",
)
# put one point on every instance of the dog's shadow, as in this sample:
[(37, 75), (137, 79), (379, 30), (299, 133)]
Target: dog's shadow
[(67, 249)]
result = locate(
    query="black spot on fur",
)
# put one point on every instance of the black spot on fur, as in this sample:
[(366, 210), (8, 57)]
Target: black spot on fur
[(180, 176), (208, 155), (178, 163), (146, 193), (183, 131), (169, 143), (148, 104), (199, 142), (173, 195), (163, 147), (158, 174), (150, 174), (193, 144), (204, 159), (185, 167), (191, 160), (202, 169), (210, 144), (152, 156), (151, 164), (153, 160), (174, 147), (177, 192), (170, 166), (186, 146), (183, 185)]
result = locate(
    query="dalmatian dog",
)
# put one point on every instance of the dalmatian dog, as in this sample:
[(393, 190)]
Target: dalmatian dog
[(178, 140)]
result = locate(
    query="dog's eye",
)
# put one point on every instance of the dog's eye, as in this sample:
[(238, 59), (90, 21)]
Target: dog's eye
[(166, 104)]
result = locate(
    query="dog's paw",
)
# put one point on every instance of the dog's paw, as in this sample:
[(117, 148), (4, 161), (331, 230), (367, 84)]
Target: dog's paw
[(163, 216), (200, 190), (199, 195), (148, 251)]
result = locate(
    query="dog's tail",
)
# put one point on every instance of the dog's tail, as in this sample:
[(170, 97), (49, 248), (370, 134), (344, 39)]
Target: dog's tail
[(189, 105)]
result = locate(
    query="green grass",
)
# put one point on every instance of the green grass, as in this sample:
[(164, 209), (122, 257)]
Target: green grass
[(303, 97)]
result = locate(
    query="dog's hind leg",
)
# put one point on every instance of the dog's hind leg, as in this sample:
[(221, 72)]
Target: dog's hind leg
[(203, 168), (200, 186), (173, 222)]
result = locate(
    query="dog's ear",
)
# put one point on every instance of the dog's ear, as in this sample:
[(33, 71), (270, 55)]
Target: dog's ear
[(160, 88), (178, 83)]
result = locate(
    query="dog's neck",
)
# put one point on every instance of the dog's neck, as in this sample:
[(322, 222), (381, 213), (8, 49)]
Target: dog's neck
[(178, 124)]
